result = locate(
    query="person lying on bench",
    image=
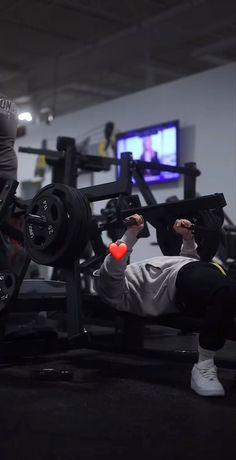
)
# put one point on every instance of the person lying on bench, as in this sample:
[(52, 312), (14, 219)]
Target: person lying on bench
[(170, 284)]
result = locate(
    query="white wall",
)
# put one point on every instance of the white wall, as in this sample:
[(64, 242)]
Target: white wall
[(205, 105)]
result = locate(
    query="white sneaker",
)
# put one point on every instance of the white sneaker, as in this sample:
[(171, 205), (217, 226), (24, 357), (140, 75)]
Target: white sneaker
[(204, 380)]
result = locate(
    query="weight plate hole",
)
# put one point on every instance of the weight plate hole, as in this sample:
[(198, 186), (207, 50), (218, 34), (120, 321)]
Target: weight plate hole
[(8, 281), (39, 240), (54, 212)]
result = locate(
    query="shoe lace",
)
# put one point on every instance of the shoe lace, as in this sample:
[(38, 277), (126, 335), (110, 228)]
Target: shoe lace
[(209, 373)]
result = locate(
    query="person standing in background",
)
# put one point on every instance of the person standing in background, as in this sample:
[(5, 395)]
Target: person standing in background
[(8, 129), (8, 162)]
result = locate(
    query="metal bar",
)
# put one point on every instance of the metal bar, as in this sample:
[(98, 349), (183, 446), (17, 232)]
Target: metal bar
[(70, 172), (73, 302), (58, 170), (50, 154), (182, 208), (190, 182), (163, 167), (150, 165), (37, 220), (7, 192), (102, 191), (86, 159), (113, 189), (144, 189), (92, 163)]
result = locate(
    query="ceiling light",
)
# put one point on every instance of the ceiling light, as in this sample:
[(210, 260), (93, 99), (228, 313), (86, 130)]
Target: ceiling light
[(25, 116)]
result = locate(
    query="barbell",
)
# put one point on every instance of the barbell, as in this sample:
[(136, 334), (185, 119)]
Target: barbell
[(206, 214), (58, 224)]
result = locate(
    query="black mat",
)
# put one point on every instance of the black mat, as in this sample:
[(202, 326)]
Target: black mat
[(117, 407)]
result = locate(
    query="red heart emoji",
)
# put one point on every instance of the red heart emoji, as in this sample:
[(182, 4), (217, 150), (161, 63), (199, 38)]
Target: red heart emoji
[(118, 250)]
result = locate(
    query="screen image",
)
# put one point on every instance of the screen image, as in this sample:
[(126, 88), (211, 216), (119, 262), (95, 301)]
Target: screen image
[(157, 143)]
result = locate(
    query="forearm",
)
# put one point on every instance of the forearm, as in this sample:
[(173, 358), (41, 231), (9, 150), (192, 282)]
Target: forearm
[(109, 280), (189, 249)]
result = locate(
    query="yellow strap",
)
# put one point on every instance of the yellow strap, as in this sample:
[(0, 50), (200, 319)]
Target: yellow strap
[(220, 268)]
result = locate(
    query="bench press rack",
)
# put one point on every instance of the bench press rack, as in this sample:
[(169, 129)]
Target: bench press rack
[(38, 295)]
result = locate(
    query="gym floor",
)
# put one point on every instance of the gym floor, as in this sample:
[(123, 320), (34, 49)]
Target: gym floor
[(118, 406)]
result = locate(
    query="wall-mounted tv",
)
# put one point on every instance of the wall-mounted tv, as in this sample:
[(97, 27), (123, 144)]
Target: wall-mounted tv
[(158, 143)]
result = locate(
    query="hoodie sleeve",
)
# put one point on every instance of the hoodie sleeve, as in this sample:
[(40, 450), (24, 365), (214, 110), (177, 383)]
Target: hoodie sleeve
[(109, 280), (189, 249)]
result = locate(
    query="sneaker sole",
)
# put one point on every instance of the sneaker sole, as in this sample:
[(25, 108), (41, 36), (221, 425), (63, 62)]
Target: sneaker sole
[(202, 392)]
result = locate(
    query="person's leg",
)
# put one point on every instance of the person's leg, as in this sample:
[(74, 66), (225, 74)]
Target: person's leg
[(203, 291)]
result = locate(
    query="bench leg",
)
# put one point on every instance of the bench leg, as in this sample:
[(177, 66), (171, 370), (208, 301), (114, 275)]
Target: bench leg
[(129, 333)]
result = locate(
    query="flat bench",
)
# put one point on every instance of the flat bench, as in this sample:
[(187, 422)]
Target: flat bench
[(38, 295)]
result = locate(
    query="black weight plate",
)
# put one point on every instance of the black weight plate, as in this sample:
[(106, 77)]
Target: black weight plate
[(51, 209), (79, 228), (114, 225), (76, 224), (207, 238), (7, 288), (208, 243), (167, 239)]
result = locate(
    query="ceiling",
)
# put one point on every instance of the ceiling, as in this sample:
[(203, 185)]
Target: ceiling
[(65, 55)]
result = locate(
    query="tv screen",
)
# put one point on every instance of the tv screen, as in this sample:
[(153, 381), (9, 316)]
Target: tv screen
[(158, 143)]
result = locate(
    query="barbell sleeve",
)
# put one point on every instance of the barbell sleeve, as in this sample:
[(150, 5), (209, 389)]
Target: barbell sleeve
[(37, 220)]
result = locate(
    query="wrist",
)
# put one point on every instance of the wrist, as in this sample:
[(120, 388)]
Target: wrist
[(129, 238), (189, 244), (188, 238)]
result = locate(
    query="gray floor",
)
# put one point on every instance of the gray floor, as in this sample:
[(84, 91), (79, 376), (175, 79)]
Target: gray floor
[(118, 406)]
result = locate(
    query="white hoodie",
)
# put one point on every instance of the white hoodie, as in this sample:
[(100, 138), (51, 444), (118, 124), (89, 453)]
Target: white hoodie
[(145, 288)]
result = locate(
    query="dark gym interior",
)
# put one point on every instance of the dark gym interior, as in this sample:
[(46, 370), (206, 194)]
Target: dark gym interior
[(80, 379)]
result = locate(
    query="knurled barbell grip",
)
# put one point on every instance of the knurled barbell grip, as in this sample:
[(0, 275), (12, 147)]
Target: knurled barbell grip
[(191, 227), (129, 221), (37, 220), (199, 228)]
